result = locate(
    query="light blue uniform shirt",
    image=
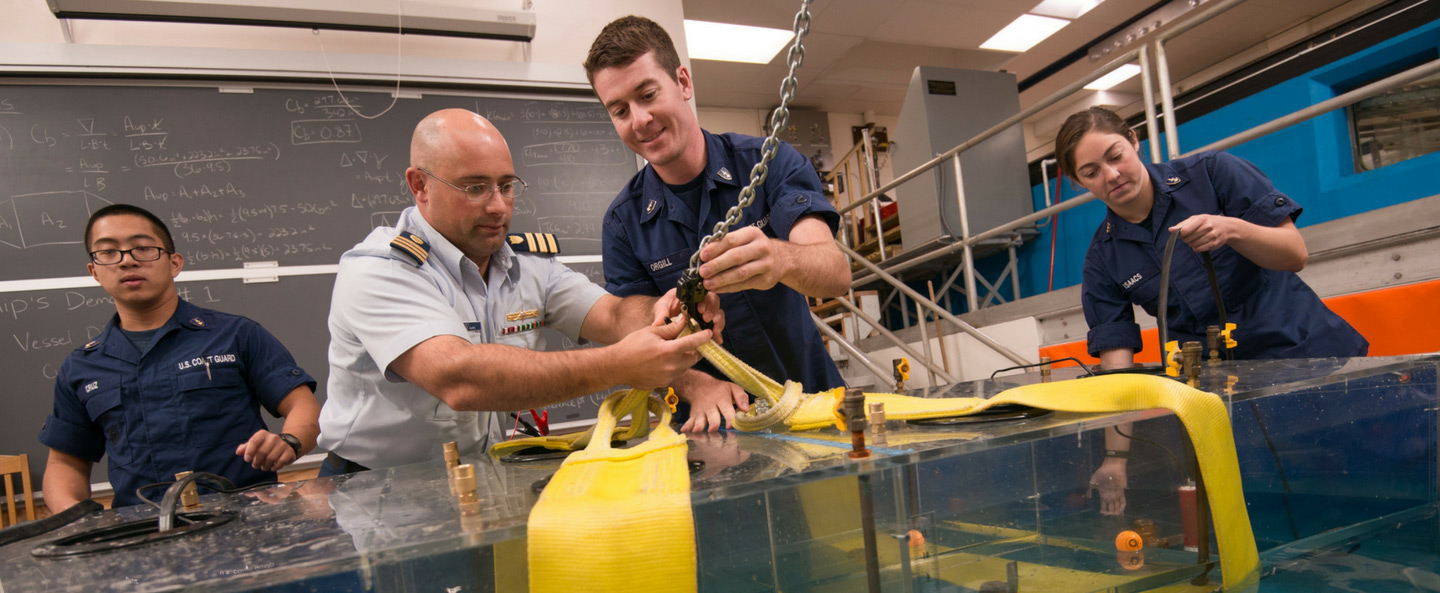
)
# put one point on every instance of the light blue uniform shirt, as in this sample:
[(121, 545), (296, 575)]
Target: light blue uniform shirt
[(384, 304)]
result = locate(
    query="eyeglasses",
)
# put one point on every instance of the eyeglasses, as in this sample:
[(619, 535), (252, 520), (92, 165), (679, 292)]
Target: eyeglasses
[(110, 257), (478, 192)]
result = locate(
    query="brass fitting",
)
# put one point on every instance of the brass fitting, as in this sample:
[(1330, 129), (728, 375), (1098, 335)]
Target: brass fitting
[(1044, 369), (466, 492), (1212, 340), (1190, 355), (853, 407), (452, 460), (877, 423)]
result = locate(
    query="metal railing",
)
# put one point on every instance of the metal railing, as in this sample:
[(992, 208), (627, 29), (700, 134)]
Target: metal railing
[(966, 243)]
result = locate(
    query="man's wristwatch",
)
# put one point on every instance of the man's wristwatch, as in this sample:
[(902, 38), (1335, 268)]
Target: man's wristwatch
[(292, 441)]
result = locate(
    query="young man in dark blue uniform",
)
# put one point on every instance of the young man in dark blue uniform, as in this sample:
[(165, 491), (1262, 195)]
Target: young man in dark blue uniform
[(1215, 203), (781, 251), (167, 386)]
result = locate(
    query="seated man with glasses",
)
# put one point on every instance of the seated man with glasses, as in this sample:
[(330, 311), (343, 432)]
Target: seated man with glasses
[(168, 386), (435, 322)]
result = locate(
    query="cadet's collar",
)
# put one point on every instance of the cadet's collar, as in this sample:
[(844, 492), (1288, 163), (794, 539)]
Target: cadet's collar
[(719, 163), (719, 169), (112, 342), (187, 316), (1166, 178), (1119, 228), (443, 253)]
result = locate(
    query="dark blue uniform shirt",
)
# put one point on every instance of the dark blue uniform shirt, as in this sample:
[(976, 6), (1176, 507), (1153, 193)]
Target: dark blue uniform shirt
[(650, 233), (1275, 313), (185, 405)]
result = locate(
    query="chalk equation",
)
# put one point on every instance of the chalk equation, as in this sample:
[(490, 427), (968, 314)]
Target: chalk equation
[(583, 152)]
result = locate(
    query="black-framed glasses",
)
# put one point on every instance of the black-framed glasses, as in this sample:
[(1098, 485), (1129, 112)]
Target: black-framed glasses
[(479, 192), (110, 257)]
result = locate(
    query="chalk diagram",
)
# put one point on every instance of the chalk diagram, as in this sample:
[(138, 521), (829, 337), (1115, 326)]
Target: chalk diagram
[(47, 218)]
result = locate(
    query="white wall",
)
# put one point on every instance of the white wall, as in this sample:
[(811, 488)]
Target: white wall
[(564, 31)]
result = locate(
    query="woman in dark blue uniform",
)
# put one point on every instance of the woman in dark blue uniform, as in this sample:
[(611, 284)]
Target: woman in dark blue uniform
[(1215, 203)]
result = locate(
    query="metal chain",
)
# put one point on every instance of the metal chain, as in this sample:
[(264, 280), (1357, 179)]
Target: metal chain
[(778, 120)]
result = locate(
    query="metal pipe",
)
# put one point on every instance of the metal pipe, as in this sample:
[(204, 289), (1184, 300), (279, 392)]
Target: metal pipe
[(868, 170), (1362, 93), (1045, 179), (1152, 129), (867, 523), (1211, 9), (969, 259), (929, 364), (1063, 93), (990, 234), (1167, 101), (849, 348), (1014, 269), (965, 327)]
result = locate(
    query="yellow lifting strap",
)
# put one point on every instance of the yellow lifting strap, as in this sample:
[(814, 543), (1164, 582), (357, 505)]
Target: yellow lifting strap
[(1203, 415), (617, 519)]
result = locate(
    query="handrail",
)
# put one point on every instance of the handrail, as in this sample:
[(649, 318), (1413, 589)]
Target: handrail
[(1069, 89), (938, 310), (850, 348), (1206, 13), (1162, 72), (1359, 94), (880, 327)]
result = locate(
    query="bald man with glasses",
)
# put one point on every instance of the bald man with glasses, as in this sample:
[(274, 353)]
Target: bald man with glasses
[(435, 322)]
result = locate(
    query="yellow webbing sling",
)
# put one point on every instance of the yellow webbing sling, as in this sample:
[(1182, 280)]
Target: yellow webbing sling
[(1203, 415), (617, 519)]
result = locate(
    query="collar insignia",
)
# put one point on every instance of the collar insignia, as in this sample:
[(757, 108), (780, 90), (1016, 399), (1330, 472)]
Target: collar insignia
[(650, 207), (1172, 180), (724, 174), (197, 322), (1107, 227)]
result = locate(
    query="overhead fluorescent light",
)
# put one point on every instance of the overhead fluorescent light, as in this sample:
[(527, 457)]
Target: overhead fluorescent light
[(1065, 9), (1115, 77), (1024, 32), (420, 17), (734, 43)]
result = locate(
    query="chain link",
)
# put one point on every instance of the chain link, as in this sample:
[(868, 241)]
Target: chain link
[(778, 120)]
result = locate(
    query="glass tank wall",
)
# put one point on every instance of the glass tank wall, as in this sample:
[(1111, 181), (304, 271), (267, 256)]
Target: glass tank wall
[(1337, 461)]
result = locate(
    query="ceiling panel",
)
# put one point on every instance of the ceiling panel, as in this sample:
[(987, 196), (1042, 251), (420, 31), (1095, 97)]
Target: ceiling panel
[(861, 52)]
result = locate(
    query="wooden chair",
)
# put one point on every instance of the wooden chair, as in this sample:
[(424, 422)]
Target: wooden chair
[(16, 464)]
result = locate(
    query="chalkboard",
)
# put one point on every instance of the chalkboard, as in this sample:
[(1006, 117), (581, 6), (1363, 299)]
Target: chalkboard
[(291, 176)]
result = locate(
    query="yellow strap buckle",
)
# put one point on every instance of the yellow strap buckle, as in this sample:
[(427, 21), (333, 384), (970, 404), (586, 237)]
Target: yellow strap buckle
[(671, 399), (1225, 334), (1172, 358)]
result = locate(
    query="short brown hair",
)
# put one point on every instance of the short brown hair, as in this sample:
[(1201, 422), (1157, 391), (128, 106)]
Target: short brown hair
[(1097, 119), (627, 38)]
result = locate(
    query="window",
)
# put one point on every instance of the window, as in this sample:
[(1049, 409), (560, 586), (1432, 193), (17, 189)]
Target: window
[(1397, 125)]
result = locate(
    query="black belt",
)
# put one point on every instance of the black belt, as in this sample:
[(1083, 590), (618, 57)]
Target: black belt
[(344, 465)]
